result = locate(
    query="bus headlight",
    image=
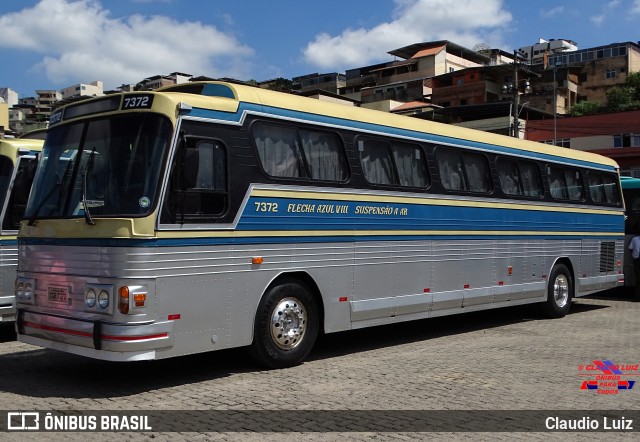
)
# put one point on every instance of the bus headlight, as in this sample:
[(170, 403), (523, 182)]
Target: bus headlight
[(97, 298), (90, 298), (28, 291), (103, 299), (25, 290)]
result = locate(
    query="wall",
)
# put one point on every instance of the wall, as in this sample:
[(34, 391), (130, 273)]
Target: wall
[(4, 117)]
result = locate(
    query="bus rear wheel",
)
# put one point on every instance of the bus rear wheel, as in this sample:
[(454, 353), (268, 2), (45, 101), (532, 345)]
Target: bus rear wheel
[(286, 325), (559, 292)]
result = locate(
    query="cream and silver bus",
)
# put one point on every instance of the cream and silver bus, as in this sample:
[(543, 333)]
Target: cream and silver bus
[(17, 167), (206, 216)]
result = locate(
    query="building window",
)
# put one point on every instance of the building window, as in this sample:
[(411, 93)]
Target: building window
[(626, 140), (610, 73)]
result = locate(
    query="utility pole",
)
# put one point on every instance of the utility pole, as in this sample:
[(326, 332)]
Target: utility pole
[(516, 96)]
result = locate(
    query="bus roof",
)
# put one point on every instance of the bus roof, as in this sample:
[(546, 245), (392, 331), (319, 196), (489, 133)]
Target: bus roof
[(11, 147), (228, 97), (628, 182), (250, 94)]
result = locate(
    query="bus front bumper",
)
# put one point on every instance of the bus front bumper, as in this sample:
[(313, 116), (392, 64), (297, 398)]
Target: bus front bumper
[(96, 339), (7, 308)]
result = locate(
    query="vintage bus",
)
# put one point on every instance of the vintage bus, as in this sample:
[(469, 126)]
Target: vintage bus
[(211, 215), (17, 168)]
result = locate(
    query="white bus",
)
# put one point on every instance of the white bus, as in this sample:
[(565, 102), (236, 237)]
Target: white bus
[(17, 168), (210, 215)]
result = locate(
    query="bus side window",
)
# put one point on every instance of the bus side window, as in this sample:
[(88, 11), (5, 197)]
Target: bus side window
[(411, 164), (198, 186), (519, 178), (557, 186), (565, 184), (279, 150), (464, 171), (450, 170), (375, 161), (476, 168), (603, 188)]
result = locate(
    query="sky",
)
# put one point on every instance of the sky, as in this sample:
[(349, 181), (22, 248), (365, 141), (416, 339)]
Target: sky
[(53, 44)]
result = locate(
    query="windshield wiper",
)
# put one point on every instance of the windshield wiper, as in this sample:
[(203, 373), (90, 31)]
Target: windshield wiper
[(87, 170)]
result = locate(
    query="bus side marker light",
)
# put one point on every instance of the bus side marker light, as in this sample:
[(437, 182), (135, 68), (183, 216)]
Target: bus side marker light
[(427, 290), (139, 299), (174, 317), (123, 304), (509, 270), (500, 282), (619, 263), (257, 260), (466, 286), (342, 299)]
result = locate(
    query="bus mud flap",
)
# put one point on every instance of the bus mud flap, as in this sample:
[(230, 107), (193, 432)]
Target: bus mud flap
[(20, 322), (97, 335)]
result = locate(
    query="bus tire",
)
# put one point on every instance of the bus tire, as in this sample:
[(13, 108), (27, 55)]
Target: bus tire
[(559, 292), (286, 325)]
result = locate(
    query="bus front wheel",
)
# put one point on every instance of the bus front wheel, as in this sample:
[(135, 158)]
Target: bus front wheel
[(286, 325), (559, 292)]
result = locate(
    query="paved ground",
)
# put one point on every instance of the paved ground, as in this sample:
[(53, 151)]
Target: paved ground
[(508, 359)]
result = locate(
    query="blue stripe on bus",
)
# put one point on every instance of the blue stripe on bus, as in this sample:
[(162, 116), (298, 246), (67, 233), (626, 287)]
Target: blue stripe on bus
[(414, 217), (363, 126)]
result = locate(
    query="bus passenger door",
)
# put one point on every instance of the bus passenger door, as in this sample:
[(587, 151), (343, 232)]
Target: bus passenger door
[(198, 185)]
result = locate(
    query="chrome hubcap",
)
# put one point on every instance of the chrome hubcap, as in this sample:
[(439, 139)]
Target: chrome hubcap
[(288, 323), (561, 291)]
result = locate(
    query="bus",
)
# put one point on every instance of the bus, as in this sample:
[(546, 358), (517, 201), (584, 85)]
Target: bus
[(631, 195), (17, 168), (211, 215)]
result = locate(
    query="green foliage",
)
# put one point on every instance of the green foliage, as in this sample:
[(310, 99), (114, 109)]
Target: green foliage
[(585, 108), (627, 97), (281, 84)]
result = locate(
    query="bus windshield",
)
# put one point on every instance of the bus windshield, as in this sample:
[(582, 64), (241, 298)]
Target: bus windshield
[(102, 167)]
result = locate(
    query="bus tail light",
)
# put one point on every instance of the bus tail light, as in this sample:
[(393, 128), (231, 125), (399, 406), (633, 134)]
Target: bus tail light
[(123, 304)]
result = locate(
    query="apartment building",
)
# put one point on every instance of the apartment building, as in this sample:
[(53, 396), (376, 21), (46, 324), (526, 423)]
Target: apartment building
[(601, 67), (158, 81), (615, 135), (94, 89), (330, 82), (8, 96)]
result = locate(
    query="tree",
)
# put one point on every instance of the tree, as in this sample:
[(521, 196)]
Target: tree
[(583, 108), (626, 97)]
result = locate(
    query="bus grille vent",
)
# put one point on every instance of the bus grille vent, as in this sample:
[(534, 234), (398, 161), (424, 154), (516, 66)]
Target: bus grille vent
[(607, 256)]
